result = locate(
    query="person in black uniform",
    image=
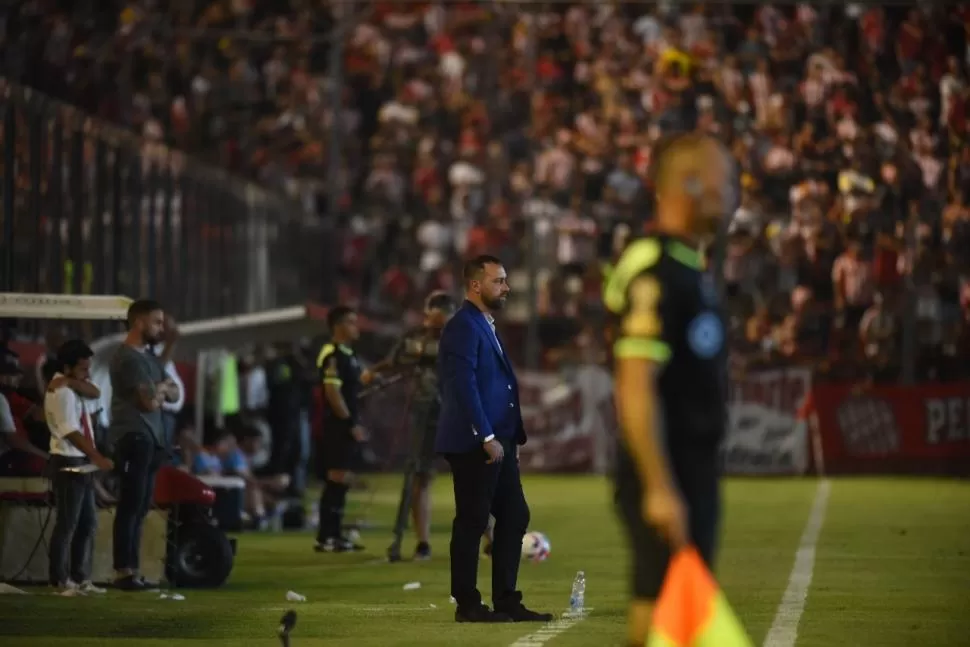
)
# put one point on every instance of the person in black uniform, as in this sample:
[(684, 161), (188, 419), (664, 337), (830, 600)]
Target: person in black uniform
[(671, 370), (342, 379), (417, 354), (283, 409)]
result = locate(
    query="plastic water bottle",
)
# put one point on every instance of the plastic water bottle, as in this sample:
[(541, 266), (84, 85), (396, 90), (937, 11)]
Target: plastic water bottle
[(577, 599)]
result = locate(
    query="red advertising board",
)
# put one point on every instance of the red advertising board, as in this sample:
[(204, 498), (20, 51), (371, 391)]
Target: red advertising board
[(921, 429)]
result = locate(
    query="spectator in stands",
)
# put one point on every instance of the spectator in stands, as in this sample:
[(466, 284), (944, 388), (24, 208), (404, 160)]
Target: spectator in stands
[(879, 336), (849, 123), (72, 446)]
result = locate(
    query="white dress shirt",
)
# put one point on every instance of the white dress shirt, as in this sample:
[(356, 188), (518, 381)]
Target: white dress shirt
[(66, 414), (491, 324), (7, 425), (172, 373)]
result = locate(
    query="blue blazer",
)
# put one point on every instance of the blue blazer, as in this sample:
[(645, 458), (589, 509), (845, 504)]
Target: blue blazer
[(479, 392)]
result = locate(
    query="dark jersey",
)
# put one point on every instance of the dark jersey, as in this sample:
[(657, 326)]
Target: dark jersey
[(284, 391), (338, 366), (668, 311)]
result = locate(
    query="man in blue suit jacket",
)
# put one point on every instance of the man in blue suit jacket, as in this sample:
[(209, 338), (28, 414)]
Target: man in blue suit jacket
[(479, 430)]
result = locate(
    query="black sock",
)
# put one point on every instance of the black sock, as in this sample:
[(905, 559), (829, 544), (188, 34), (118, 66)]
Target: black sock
[(325, 529), (337, 508)]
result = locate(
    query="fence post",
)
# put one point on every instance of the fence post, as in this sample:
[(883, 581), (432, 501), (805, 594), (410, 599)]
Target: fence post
[(56, 214), (134, 219), (152, 233), (36, 147), (117, 220), (171, 271), (9, 191), (910, 305), (74, 263), (98, 229), (186, 248), (532, 342)]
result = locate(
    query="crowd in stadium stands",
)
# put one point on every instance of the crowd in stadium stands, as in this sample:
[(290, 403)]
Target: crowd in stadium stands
[(470, 126)]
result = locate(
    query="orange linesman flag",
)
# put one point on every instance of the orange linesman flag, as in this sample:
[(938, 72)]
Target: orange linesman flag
[(692, 611)]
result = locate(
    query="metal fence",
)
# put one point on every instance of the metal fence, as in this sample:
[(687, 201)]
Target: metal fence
[(89, 209)]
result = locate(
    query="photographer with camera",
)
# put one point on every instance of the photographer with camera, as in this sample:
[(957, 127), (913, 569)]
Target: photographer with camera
[(417, 353)]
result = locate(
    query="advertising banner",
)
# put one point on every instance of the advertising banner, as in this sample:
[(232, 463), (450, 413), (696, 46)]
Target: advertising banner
[(765, 434), (908, 429)]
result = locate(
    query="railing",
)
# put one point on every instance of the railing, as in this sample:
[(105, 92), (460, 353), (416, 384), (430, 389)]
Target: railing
[(90, 209)]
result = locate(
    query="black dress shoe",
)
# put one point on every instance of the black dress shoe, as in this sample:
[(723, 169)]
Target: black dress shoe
[(518, 613), (481, 613)]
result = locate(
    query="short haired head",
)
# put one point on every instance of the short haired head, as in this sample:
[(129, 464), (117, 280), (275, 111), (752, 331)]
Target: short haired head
[(74, 357), (486, 282), (438, 309), (249, 439), (693, 174), (147, 319), (342, 322)]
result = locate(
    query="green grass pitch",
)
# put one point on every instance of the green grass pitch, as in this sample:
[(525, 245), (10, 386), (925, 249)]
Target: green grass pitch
[(892, 568)]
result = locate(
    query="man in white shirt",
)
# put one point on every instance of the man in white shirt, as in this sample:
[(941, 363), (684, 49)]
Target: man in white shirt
[(72, 445)]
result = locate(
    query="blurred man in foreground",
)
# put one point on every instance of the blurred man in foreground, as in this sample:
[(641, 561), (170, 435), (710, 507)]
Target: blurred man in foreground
[(671, 371)]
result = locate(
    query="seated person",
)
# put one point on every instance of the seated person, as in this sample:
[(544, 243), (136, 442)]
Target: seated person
[(262, 491), (18, 456), (226, 456)]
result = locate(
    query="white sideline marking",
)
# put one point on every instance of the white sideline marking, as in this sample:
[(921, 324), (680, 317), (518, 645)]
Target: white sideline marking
[(551, 630), (784, 628)]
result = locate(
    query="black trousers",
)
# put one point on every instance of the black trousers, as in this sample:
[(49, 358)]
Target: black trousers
[(72, 540), (137, 459), (482, 489), (285, 450)]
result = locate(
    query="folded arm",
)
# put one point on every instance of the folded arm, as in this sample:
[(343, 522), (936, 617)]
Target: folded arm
[(175, 389)]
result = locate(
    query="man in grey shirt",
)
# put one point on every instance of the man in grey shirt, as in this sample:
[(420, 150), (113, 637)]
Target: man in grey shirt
[(139, 386)]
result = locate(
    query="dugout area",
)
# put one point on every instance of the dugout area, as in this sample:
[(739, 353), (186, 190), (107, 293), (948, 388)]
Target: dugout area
[(181, 544)]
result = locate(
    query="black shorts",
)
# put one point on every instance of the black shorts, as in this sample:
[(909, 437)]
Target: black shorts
[(337, 449), (697, 473)]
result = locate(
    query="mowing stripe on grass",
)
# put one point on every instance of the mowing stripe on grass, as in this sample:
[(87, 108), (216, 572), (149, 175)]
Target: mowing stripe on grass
[(551, 630), (784, 628)]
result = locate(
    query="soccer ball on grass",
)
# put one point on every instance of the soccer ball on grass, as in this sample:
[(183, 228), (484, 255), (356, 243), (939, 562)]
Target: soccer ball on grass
[(535, 546)]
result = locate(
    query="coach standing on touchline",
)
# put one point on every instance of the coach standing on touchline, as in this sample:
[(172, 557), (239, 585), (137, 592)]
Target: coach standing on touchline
[(479, 430), (139, 387)]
